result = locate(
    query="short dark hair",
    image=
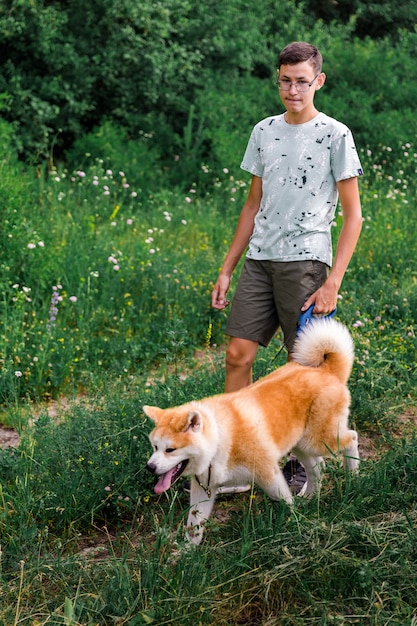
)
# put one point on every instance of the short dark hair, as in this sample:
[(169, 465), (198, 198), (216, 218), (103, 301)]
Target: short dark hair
[(300, 51)]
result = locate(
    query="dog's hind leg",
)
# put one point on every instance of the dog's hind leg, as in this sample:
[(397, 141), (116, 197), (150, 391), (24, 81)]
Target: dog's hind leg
[(350, 451), (201, 506)]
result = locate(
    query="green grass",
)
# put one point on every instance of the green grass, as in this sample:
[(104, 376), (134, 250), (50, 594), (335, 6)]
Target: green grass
[(105, 298)]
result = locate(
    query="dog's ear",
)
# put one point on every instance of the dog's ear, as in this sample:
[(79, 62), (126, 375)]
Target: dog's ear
[(194, 422), (153, 412)]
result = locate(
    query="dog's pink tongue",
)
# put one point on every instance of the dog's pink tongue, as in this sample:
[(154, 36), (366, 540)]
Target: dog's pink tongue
[(164, 482)]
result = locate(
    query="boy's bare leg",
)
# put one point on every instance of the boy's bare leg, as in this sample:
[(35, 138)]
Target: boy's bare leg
[(240, 356)]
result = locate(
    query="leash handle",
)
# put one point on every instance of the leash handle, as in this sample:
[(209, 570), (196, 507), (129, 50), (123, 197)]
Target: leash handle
[(307, 317)]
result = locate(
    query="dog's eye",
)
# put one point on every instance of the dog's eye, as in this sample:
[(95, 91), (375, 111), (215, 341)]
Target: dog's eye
[(169, 450)]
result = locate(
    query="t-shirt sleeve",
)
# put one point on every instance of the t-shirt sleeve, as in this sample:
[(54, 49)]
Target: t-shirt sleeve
[(345, 160), (252, 158)]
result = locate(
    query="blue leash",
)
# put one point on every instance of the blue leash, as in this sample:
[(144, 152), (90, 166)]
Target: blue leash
[(306, 318)]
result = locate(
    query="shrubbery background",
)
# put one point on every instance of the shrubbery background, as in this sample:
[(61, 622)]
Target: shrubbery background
[(185, 81)]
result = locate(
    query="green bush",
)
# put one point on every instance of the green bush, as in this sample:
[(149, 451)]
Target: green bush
[(168, 73)]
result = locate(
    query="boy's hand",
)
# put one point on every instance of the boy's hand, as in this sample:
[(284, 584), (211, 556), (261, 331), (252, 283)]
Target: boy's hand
[(324, 300), (218, 296)]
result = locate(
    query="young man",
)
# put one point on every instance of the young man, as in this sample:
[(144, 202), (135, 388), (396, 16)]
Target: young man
[(301, 163)]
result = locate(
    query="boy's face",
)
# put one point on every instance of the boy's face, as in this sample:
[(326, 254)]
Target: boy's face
[(299, 103)]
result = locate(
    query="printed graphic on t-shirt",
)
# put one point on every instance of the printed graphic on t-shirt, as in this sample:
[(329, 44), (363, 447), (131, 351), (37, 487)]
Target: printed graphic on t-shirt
[(300, 166)]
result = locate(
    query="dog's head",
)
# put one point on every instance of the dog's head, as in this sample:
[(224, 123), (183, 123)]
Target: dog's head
[(176, 440)]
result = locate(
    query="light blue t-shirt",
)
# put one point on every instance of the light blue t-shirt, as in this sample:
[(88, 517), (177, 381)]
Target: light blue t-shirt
[(299, 166)]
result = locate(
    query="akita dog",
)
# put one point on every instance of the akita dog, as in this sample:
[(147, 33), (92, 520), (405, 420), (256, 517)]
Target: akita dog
[(240, 437)]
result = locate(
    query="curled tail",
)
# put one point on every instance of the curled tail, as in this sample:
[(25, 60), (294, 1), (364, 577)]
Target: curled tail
[(328, 344)]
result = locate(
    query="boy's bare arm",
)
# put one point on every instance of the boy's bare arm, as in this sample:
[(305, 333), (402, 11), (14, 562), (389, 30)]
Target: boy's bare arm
[(325, 298), (240, 241)]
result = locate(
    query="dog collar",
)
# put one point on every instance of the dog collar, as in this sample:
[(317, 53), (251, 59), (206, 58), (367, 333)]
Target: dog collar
[(208, 488)]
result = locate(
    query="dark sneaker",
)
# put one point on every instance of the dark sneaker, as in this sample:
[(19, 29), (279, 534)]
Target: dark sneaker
[(295, 475)]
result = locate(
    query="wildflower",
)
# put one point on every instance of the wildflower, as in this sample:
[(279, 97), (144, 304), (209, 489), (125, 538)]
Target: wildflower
[(109, 172), (107, 488), (183, 222), (357, 324), (31, 246), (188, 199), (134, 194), (116, 268), (122, 174), (225, 170), (80, 173), (73, 298), (129, 221), (18, 373), (53, 309), (41, 244)]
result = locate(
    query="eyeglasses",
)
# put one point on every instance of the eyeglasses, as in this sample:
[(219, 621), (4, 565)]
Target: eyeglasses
[(300, 85)]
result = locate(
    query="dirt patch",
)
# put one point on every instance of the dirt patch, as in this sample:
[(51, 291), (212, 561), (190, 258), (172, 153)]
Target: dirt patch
[(8, 437)]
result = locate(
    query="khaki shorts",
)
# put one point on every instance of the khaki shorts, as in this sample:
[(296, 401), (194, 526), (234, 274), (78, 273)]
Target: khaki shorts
[(270, 295)]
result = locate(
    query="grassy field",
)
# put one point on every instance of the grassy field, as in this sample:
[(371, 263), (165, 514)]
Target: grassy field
[(106, 307)]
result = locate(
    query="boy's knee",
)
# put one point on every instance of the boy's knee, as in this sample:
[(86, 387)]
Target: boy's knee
[(239, 356)]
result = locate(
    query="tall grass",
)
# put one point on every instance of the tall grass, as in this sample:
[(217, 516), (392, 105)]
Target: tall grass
[(105, 298)]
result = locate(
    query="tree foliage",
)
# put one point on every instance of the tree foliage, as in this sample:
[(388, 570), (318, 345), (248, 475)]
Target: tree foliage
[(191, 75)]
